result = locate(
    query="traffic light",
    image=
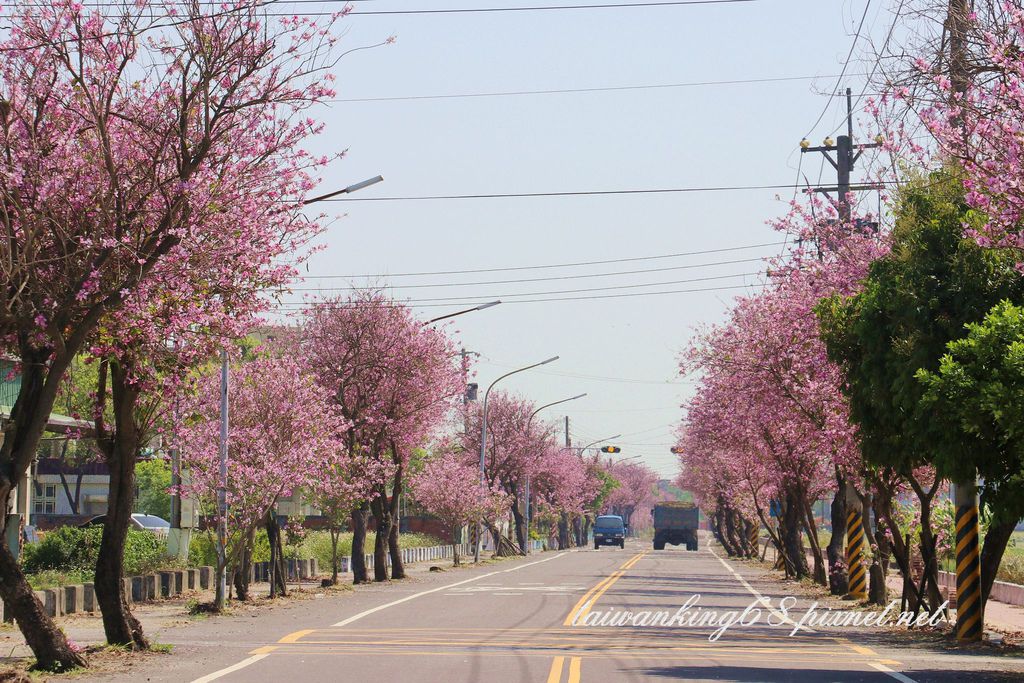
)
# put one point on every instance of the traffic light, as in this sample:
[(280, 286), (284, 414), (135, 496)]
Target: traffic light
[(611, 449), (678, 450)]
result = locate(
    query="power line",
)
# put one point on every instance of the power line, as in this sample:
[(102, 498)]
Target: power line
[(532, 8), (535, 279), (291, 306), (555, 265), (846, 65), (477, 297), (578, 193), (559, 91)]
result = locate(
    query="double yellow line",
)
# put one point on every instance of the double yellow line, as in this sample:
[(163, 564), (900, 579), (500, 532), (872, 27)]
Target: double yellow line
[(582, 608), (555, 675)]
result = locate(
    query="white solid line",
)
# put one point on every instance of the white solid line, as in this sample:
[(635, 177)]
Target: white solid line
[(753, 591), (889, 672), (231, 669), (356, 617)]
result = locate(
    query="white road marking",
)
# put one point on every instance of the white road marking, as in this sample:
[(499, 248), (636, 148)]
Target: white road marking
[(766, 602), (889, 672), (231, 669), (255, 658), (366, 613), (875, 665)]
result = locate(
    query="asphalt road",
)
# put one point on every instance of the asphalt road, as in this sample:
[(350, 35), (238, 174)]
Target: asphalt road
[(514, 621)]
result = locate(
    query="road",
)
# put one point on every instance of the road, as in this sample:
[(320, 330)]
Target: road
[(513, 622)]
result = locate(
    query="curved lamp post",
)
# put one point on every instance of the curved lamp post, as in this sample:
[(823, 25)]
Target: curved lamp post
[(527, 492), (483, 439)]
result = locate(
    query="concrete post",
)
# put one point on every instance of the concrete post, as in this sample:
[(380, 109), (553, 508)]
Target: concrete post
[(970, 612)]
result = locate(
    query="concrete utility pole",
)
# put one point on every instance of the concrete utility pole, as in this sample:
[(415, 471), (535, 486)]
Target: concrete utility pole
[(847, 154), (970, 609), (222, 494)]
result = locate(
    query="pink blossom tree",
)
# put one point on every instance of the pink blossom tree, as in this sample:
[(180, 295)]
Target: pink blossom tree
[(138, 144), (396, 381), (450, 488), (282, 436)]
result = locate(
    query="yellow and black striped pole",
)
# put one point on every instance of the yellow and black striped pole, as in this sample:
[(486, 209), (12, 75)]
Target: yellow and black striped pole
[(855, 547), (970, 618)]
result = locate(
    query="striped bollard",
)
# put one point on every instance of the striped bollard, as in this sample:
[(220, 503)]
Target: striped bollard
[(970, 620), (855, 553)]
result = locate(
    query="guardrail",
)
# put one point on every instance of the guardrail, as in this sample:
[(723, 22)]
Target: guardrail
[(424, 554)]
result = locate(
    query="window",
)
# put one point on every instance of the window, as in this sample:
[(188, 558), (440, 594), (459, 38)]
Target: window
[(45, 499)]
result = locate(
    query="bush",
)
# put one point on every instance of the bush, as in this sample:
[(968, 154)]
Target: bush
[(75, 550), (202, 548), (1012, 568)]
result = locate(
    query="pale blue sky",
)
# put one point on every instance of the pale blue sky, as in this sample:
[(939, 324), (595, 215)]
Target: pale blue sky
[(673, 137)]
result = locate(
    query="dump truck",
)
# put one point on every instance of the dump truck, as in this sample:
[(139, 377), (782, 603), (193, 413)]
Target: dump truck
[(675, 523)]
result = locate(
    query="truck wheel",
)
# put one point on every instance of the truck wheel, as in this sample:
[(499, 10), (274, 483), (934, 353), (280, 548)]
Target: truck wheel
[(622, 544), (597, 546), (659, 546)]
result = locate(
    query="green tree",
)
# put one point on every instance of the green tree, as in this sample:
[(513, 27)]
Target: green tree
[(153, 478), (914, 302), (977, 398)]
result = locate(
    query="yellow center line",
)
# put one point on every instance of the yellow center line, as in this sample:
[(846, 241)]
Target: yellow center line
[(555, 675), (294, 637), (574, 670), (582, 608)]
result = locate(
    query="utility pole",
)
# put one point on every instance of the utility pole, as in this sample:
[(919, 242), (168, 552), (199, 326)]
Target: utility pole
[(847, 155), (567, 442), (222, 494), (970, 611)]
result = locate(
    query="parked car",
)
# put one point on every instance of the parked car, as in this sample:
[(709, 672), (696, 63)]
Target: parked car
[(157, 525), (609, 530)]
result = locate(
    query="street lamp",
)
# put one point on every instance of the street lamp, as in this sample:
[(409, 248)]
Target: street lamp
[(527, 492), (347, 190), (468, 310), (483, 438), (222, 503)]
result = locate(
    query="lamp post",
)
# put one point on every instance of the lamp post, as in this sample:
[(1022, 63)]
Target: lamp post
[(527, 492), (468, 310), (483, 439), (222, 483)]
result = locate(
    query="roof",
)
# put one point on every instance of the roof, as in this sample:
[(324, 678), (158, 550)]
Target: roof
[(57, 423)]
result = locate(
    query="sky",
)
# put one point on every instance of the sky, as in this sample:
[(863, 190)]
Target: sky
[(623, 352)]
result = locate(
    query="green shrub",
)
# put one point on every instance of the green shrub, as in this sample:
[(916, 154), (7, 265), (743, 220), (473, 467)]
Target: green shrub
[(202, 548), (71, 549)]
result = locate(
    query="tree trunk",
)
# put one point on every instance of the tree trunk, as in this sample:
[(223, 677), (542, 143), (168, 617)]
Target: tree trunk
[(243, 569), (791, 535), (359, 515), (48, 643), (838, 572), (40, 377), (520, 525), (998, 536), (563, 532), (455, 545), (382, 516), (119, 624), (335, 535), (397, 566), (878, 593), (812, 538), (277, 570)]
